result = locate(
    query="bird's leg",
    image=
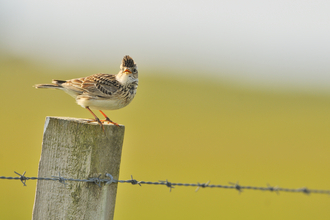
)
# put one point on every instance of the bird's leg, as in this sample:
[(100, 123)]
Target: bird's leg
[(96, 118), (108, 119)]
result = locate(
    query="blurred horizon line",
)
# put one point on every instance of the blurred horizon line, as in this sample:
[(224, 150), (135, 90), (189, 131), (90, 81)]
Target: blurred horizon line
[(223, 77)]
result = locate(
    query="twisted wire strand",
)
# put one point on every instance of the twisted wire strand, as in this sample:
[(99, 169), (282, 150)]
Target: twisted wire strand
[(98, 181)]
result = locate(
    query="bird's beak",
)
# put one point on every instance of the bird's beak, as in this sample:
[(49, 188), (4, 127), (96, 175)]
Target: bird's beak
[(127, 71)]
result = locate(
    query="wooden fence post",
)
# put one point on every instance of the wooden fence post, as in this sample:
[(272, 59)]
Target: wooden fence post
[(77, 150)]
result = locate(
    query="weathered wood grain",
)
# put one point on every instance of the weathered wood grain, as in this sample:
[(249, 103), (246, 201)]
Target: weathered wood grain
[(78, 150)]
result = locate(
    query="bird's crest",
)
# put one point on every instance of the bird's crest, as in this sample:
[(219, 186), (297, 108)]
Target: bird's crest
[(128, 61)]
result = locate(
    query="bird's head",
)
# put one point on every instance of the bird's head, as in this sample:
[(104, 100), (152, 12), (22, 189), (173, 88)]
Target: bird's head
[(128, 71)]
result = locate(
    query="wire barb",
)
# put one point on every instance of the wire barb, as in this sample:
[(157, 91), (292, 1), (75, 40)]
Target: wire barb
[(167, 183), (273, 189), (60, 179), (134, 181), (22, 177), (305, 190), (237, 187), (203, 185), (97, 180)]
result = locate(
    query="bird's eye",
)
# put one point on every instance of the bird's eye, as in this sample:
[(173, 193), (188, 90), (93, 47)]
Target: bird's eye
[(134, 70)]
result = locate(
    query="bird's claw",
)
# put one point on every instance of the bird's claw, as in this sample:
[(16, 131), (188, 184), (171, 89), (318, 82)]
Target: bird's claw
[(98, 121), (109, 121)]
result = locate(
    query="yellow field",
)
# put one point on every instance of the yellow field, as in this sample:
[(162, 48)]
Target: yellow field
[(184, 131)]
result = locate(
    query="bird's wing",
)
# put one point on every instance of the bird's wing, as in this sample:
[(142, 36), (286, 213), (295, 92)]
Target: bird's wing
[(104, 85)]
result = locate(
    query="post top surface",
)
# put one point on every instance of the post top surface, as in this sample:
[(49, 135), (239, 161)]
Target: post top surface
[(79, 120)]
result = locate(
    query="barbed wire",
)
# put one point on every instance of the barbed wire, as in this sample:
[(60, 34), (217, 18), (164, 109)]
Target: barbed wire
[(98, 181)]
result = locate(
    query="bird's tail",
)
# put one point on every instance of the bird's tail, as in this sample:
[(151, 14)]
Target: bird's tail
[(57, 84)]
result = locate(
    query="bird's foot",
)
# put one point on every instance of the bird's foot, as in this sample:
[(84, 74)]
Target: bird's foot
[(98, 121), (109, 121)]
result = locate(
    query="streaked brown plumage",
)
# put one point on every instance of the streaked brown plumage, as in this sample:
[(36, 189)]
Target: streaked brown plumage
[(102, 91)]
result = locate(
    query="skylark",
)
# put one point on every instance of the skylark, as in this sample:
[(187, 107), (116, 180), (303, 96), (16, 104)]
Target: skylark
[(102, 91)]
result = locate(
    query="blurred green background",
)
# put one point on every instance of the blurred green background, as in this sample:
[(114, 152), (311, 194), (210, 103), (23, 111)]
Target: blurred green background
[(183, 130), (229, 91)]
